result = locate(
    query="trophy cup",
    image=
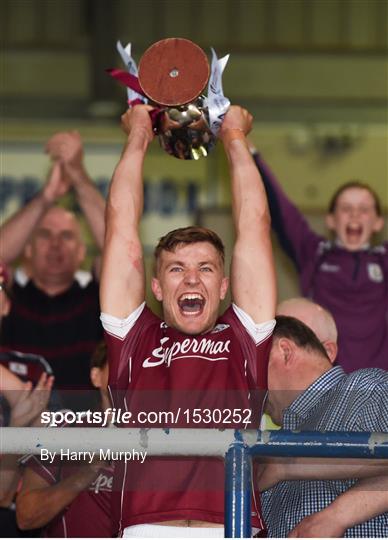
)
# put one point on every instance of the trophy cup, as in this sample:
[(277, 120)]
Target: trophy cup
[(172, 76)]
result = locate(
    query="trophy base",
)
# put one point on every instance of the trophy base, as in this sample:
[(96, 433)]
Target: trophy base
[(173, 72)]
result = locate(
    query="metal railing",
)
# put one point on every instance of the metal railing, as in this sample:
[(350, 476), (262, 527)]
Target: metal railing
[(238, 448)]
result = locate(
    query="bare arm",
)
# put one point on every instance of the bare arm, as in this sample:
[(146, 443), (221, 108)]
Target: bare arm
[(365, 500), (66, 147), (277, 470), (252, 273), (17, 230), (122, 287), (39, 502), (9, 478)]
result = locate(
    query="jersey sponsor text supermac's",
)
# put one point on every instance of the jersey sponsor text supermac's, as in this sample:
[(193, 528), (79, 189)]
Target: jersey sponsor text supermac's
[(205, 349)]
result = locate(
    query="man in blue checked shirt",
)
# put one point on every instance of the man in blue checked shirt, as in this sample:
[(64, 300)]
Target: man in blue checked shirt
[(332, 497)]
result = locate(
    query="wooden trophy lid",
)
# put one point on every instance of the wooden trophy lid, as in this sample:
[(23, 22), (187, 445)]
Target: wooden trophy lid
[(173, 71)]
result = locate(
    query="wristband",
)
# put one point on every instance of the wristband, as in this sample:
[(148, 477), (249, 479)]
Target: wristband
[(232, 134)]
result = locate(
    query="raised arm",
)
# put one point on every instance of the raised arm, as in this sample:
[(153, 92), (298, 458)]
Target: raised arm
[(16, 231), (122, 286), (66, 147), (294, 233), (252, 272)]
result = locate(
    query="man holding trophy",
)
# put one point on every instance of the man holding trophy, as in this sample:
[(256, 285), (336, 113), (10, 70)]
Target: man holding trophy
[(193, 358)]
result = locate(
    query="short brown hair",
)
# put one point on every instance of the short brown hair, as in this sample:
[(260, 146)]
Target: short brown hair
[(299, 333), (354, 184), (189, 235)]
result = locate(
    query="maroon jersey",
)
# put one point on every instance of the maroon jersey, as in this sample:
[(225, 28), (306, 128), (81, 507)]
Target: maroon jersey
[(89, 515), (157, 368)]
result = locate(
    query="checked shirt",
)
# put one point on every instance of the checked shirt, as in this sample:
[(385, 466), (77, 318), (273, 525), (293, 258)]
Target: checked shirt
[(334, 402)]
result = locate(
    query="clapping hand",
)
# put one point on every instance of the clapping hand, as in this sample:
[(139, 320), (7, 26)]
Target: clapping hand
[(30, 402), (66, 149)]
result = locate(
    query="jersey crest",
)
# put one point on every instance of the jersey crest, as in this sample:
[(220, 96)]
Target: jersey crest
[(375, 272)]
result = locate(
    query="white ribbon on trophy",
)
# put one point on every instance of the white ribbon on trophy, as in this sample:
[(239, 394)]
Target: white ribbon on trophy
[(130, 63), (216, 102)]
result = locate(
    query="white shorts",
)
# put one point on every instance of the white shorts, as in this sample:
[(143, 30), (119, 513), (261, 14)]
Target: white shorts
[(166, 531)]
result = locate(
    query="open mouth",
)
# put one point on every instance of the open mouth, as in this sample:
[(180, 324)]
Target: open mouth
[(191, 304), (354, 232)]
